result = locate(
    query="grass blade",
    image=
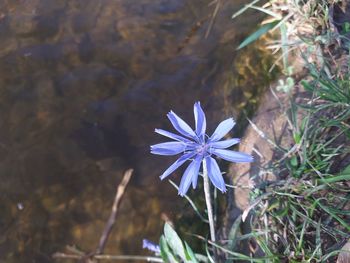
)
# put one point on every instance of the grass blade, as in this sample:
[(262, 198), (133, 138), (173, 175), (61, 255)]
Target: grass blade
[(245, 8), (257, 34)]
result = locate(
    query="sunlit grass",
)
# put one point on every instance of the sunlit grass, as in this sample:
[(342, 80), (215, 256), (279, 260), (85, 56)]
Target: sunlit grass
[(305, 216)]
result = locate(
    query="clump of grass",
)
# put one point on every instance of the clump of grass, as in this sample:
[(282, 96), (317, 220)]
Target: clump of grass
[(301, 25), (305, 216), (297, 27)]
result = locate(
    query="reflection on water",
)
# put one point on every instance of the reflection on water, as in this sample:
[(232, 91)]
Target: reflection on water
[(83, 84)]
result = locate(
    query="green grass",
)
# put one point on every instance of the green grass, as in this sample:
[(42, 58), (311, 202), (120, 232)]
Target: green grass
[(305, 216)]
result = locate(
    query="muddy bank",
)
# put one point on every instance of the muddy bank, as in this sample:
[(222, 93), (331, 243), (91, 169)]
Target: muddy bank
[(267, 131)]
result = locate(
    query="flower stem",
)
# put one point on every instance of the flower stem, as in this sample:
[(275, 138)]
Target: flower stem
[(208, 201)]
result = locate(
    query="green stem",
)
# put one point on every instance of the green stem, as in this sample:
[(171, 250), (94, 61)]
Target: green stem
[(208, 201)]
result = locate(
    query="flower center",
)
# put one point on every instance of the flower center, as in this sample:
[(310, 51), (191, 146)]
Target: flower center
[(202, 149)]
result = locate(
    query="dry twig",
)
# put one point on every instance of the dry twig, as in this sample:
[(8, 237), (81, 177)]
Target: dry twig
[(109, 225), (91, 257)]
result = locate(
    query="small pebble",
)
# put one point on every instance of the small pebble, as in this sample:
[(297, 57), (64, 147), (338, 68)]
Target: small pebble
[(20, 206)]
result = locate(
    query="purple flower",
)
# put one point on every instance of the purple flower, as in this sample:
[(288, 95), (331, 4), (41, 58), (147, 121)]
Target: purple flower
[(197, 147), (150, 246)]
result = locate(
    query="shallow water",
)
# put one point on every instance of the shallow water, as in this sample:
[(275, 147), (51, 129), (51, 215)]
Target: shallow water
[(83, 84)]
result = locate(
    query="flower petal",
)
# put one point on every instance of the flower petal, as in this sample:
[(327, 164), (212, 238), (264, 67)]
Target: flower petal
[(214, 174), (223, 128), (225, 144), (171, 135), (177, 164), (232, 156), (191, 171), (181, 126), (195, 178), (150, 246), (168, 148), (200, 120)]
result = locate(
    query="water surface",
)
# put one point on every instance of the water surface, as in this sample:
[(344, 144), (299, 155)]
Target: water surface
[(83, 84)]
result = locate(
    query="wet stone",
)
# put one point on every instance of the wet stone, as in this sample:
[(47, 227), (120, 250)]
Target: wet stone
[(83, 22), (169, 6), (50, 6), (70, 54), (8, 46), (33, 57), (46, 26), (22, 23), (86, 49)]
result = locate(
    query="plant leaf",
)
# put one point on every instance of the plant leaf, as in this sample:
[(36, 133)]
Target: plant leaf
[(190, 254), (232, 236), (266, 11), (211, 260), (343, 175), (261, 31), (174, 241), (242, 10), (165, 252)]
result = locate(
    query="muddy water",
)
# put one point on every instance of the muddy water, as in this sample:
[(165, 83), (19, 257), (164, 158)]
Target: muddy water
[(83, 84)]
